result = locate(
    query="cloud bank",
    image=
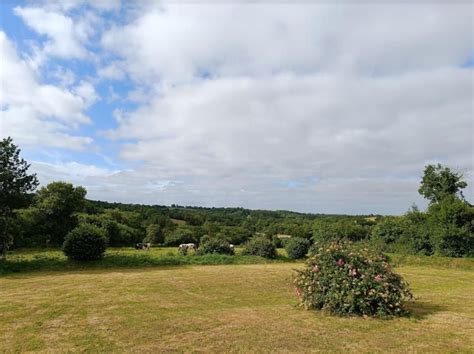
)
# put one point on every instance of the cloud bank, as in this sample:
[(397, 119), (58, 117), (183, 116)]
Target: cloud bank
[(310, 107)]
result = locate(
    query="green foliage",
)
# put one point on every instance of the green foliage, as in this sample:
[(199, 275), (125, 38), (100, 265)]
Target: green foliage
[(439, 182), (297, 247), (260, 246), (182, 234), (85, 243), (215, 245), (127, 236), (389, 230), (343, 229), (452, 224), (154, 235), (277, 241), (446, 229), (345, 280), (235, 235), (117, 234), (6, 234), (56, 206), (15, 184)]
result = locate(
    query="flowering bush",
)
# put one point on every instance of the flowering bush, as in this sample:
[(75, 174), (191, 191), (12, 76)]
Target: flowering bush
[(344, 280)]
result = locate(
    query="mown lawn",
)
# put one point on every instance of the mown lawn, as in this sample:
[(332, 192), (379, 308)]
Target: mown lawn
[(221, 308)]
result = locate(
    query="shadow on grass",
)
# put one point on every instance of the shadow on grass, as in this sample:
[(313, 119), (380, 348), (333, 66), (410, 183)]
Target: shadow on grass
[(419, 310), (122, 260)]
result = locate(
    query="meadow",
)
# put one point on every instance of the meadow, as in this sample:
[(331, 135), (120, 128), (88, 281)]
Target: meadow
[(226, 307)]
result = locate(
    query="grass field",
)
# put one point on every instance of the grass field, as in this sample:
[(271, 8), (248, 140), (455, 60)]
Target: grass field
[(31, 260), (222, 308)]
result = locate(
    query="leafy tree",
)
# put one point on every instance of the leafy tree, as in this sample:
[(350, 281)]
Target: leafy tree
[(451, 223), (15, 184), (182, 234), (57, 203), (438, 182), (342, 229), (154, 234), (389, 230)]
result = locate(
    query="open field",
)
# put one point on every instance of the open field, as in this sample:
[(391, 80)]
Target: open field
[(221, 308), (34, 260)]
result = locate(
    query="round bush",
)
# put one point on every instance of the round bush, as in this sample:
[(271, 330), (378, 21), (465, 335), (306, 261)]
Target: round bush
[(215, 245), (260, 246), (297, 247), (345, 280), (85, 242)]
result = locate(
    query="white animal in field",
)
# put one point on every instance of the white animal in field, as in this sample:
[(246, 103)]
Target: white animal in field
[(232, 246), (143, 246), (188, 246)]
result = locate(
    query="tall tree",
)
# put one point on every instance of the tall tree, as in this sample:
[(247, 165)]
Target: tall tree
[(15, 184), (57, 204), (439, 182)]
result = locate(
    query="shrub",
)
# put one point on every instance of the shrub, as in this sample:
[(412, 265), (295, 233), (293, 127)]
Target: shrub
[(345, 280), (260, 246), (452, 227), (297, 247), (344, 229), (154, 235), (181, 234), (215, 245), (183, 251), (85, 242), (278, 242)]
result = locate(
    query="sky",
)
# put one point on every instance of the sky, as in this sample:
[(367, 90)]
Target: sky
[(312, 107)]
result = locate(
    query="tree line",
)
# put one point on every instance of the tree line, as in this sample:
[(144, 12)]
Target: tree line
[(43, 217)]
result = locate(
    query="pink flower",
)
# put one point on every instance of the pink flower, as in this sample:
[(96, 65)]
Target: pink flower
[(315, 268), (353, 272), (298, 291), (340, 262), (378, 278)]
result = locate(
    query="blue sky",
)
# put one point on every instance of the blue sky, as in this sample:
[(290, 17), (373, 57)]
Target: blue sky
[(308, 107)]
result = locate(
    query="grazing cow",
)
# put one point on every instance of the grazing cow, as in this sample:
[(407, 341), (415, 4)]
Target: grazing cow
[(143, 246), (185, 247), (189, 246)]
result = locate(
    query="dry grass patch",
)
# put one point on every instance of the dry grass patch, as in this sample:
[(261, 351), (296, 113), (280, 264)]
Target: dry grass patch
[(220, 308)]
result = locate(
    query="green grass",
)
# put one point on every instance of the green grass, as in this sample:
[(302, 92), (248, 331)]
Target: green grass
[(221, 308), (432, 261), (31, 260)]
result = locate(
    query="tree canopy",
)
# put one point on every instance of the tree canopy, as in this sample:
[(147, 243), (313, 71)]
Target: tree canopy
[(15, 184), (15, 181), (439, 182)]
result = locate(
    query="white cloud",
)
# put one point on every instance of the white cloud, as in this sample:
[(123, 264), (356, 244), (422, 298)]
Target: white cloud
[(316, 124), (65, 38), (87, 91), (177, 43), (235, 133), (313, 107), (37, 114), (242, 100)]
